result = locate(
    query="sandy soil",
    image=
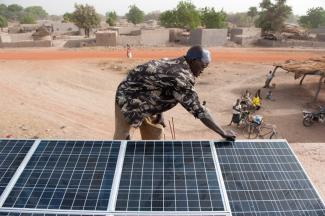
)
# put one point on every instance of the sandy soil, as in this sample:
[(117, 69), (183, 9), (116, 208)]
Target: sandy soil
[(269, 55), (69, 94)]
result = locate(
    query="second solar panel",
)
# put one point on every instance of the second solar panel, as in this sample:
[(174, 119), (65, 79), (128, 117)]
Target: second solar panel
[(169, 176)]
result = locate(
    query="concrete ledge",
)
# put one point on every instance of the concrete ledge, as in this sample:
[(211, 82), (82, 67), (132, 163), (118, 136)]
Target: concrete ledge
[(24, 44), (290, 43), (80, 43)]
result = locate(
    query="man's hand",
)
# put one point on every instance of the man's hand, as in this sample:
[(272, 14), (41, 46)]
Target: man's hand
[(159, 119), (229, 135)]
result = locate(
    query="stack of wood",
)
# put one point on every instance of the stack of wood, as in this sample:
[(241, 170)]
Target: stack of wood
[(42, 33), (311, 66), (289, 31), (294, 32)]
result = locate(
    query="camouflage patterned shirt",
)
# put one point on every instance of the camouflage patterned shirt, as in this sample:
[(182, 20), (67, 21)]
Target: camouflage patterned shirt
[(156, 87)]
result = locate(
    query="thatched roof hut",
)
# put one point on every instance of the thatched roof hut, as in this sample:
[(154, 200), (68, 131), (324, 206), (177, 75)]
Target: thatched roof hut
[(313, 66), (299, 68)]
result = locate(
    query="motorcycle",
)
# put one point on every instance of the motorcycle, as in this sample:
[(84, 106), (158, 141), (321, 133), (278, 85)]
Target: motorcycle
[(311, 117)]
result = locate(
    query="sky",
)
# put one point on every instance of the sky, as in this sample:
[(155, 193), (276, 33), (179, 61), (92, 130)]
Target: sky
[(59, 7)]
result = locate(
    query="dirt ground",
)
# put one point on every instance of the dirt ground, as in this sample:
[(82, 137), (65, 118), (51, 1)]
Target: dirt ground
[(69, 94)]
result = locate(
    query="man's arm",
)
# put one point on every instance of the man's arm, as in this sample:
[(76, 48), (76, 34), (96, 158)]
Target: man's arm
[(209, 122), (190, 101)]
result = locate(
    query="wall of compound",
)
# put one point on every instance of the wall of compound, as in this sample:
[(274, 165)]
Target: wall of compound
[(21, 37), (245, 36), (208, 37), (122, 40), (106, 39), (157, 37)]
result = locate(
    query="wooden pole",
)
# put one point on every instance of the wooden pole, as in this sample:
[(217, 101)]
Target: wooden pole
[(319, 87), (173, 128), (302, 79)]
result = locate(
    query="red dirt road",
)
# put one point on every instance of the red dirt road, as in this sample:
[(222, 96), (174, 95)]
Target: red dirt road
[(218, 54)]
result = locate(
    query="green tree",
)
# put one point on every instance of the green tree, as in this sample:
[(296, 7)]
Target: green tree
[(3, 10), (168, 19), (111, 18), (315, 18), (67, 17), (27, 18), (185, 15), (135, 15), (252, 12), (3, 22), (272, 16), (14, 12), (85, 17), (37, 11), (212, 19)]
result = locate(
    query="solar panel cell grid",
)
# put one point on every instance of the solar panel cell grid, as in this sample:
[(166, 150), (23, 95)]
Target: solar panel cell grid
[(67, 175), (169, 176), (266, 179), (12, 153)]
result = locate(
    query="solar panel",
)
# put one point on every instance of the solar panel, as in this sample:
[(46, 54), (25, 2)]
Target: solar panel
[(169, 176), (75, 175), (265, 178), (12, 153), (260, 178)]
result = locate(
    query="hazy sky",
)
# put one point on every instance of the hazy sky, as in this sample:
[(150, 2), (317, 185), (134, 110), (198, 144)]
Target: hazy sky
[(59, 7)]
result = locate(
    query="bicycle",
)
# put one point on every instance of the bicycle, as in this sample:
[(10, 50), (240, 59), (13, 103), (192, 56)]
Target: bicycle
[(261, 131)]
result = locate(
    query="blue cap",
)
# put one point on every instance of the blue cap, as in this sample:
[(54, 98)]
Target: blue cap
[(197, 52)]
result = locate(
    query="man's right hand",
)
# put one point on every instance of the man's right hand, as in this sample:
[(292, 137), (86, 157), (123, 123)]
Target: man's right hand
[(159, 119), (229, 135)]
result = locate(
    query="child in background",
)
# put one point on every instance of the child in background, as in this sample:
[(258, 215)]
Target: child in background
[(257, 100), (269, 95), (128, 51)]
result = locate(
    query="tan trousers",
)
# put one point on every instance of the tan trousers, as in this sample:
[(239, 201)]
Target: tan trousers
[(148, 130)]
